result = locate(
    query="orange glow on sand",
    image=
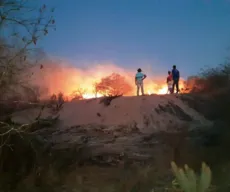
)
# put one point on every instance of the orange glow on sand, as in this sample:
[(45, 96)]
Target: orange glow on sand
[(59, 77)]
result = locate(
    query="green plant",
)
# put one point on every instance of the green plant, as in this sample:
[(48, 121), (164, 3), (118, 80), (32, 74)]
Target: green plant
[(188, 180)]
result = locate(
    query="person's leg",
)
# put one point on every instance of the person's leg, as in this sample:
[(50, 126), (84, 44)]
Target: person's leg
[(170, 90), (142, 89), (173, 87), (138, 89), (177, 86)]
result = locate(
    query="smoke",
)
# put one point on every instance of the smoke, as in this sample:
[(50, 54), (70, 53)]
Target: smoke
[(53, 76)]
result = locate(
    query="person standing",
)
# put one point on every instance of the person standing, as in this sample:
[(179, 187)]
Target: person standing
[(139, 77), (169, 82), (176, 78)]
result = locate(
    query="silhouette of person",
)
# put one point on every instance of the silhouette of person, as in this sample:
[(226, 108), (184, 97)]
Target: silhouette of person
[(139, 77), (176, 78)]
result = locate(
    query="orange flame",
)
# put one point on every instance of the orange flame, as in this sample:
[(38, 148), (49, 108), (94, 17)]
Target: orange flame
[(58, 77)]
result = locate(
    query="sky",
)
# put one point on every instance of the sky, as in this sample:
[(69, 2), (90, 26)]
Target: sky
[(134, 33)]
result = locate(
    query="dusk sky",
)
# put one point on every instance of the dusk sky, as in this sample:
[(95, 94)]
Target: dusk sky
[(133, 33)]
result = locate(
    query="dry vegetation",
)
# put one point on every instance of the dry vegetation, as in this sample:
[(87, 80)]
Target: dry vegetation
[(78, 94), (211, 80), (20, 146), (210, 92), (113, 85), (110, 86), (22, 149)]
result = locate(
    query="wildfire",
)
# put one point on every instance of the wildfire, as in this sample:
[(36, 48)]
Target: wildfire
[(55, 77)]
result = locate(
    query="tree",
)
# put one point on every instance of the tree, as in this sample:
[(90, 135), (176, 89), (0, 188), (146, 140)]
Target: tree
[(13, 17), (20, 30), (112, 85), (21, 26), (17, 48)]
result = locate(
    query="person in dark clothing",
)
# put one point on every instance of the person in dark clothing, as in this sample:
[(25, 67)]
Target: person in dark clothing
[(176, 78)]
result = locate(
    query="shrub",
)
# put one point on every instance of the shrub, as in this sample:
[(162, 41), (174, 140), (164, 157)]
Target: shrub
[(112, 85), (19, 146), (211, 79), (188, 180)]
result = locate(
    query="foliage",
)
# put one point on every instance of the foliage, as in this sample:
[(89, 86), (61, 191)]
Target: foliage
[(13, 15), (56, 102), (210, 92), (112, 85), (78, 94), (17, 50), (21, 27), (188, 180), (211, 79)]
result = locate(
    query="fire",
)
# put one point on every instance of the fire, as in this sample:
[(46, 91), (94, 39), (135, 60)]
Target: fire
[(58, 77), (89, 96)]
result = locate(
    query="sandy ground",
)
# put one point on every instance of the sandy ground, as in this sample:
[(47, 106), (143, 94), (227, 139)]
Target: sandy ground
[(142, 112), (129, 125)]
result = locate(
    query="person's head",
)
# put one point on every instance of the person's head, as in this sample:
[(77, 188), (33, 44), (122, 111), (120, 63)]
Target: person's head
[(174, 66), (139, 70), (169, 72)]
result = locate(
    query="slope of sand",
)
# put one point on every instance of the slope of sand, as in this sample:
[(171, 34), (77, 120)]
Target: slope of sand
[(147, 113), (128, 128)]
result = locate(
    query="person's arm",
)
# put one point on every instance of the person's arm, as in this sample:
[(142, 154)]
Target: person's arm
[(135, 80), (144, 76)]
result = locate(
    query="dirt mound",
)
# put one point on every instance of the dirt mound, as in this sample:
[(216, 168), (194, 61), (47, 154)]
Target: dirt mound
[(118, 125), (147, 113), (123, 130)]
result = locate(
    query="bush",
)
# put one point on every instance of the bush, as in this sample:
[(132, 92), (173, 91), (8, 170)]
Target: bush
[(78, 94), (209, 93), (113, 85), (19, 146), (188, 180), (56, 102), (211, 80)]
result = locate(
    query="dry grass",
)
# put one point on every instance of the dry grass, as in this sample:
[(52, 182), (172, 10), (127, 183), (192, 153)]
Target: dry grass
[(211, 80), (26, 161), (94, 178)]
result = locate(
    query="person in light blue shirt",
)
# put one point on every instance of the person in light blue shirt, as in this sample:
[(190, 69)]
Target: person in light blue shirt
[(139, 77)]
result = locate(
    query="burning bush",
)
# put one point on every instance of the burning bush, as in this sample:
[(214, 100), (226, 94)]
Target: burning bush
[(78, 94), (112, 85)]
